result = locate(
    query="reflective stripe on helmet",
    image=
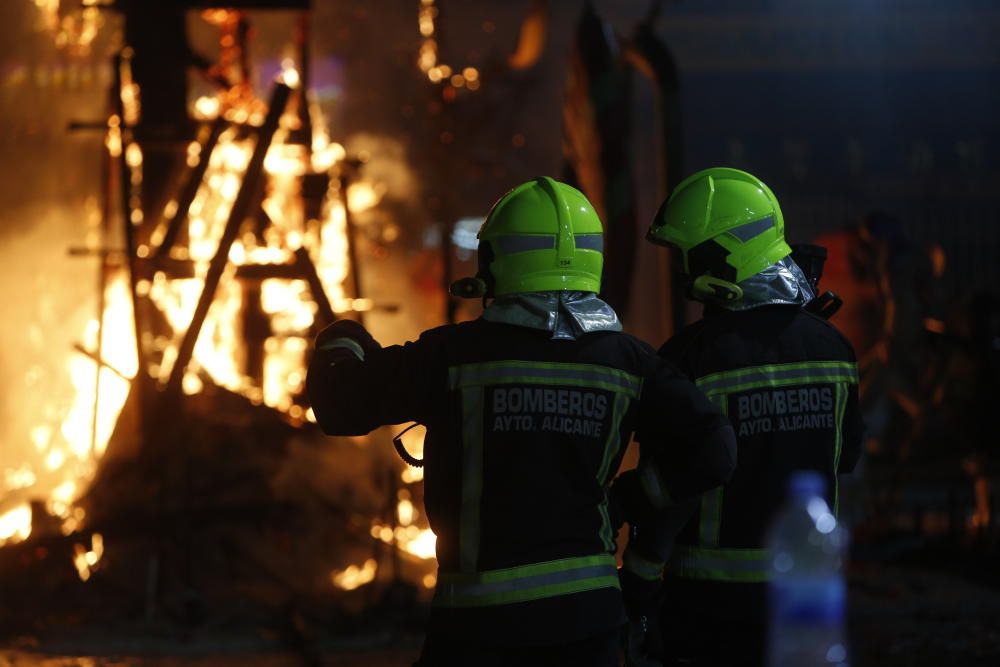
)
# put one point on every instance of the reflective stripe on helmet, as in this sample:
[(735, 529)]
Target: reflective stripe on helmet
[(508, 245), (526, 582), (752, 229), (590, 242), (736, 565)]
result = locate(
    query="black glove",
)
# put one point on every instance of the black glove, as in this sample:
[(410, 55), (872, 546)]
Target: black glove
[(343, 340), (643, 642), (625, 500)]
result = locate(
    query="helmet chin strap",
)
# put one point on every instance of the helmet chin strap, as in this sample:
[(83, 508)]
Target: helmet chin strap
[(715, 290)]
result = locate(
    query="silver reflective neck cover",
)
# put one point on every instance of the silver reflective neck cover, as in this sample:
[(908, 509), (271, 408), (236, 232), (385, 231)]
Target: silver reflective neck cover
[(568, 315), (782, 282)]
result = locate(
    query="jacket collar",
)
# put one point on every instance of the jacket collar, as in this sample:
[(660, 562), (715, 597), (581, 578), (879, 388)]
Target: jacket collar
[(781, 283), (568, 315)]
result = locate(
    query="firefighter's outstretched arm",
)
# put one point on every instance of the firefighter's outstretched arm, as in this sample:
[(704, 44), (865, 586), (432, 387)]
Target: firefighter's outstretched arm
[(355, 385)]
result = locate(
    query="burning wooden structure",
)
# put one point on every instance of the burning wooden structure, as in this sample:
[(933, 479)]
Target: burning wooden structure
[(187, 484)]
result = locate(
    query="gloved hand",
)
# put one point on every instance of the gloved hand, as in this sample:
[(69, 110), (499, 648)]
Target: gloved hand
[(345, 339), (625, 500), (643, 643)]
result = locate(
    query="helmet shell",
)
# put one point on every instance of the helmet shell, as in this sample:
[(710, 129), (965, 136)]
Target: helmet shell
[(542, 236), (726, 223)]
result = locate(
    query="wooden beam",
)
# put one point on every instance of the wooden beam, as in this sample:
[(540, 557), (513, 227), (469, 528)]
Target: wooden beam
[(251, 182)]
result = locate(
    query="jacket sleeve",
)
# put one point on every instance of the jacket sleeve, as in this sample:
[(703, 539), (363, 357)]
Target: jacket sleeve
[(355, 385), (686, 447), (852, 432)]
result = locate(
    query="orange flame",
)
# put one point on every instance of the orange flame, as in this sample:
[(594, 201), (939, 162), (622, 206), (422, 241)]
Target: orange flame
[(84, 559), (15, 524), (354, 576)]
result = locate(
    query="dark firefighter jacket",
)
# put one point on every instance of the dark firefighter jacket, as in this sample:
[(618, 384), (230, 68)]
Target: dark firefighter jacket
[(788, 381), (524, 434)]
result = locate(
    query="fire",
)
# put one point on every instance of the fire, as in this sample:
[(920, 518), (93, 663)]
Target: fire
[(354, 577), (363, 196), (84, 559), (407, 536), (422, 545), (15, 524), (288, 303), (118, 350), (419, 542), (75, 28), (70, 440)]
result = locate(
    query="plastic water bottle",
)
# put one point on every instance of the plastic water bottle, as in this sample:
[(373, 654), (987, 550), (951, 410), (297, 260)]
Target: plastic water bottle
[(807, 593)]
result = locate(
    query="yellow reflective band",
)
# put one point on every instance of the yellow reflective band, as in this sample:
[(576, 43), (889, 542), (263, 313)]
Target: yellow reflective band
[(472, 478), (710, 511), (526, 582), (778, 375), (537, 372), (841, 407)]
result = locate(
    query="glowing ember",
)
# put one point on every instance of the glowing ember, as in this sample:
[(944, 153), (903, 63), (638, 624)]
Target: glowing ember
[(19, 478), (354, 577), (427, 59), (419, 542), (406, 512), (86, 560), (363, 196), (15, 525)]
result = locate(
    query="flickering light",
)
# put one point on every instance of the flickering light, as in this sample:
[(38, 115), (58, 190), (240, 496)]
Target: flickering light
[(427, 55)]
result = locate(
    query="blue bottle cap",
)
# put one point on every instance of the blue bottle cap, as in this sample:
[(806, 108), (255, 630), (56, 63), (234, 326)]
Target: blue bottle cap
[(806, 484)]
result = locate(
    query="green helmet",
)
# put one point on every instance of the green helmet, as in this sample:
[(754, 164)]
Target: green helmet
[(541, 236), (727, 226)]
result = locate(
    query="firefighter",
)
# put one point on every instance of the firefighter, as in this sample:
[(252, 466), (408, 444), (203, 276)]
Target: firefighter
[(528, 411), (787, 380)]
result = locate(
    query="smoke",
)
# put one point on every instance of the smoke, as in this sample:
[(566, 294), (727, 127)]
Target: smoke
[(386, 165)]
